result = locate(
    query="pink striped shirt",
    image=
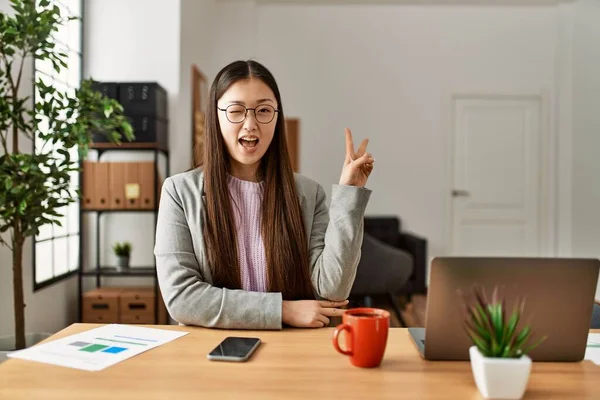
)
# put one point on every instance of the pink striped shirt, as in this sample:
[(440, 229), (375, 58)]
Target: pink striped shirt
[(247, 207)]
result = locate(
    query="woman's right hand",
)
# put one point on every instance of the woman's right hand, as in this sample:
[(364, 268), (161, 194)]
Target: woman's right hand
[(310, 313)]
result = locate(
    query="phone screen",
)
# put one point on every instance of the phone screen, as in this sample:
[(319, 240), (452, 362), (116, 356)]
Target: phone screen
[(235, 347)]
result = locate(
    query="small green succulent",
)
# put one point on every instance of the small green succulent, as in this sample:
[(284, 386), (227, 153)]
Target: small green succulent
[(489, 329), (122, 249)]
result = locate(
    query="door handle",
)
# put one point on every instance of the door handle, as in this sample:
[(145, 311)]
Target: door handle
[(460, 193)]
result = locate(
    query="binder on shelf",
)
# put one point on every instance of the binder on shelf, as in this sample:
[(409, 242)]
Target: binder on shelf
[(147, 187), (132, 185), (89, 170), (101, 185), (116, 195)]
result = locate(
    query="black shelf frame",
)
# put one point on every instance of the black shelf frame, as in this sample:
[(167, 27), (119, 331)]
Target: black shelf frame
[(99, 271)]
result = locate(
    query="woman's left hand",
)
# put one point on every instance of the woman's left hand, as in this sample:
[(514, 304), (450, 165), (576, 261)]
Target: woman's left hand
[(357, 166)]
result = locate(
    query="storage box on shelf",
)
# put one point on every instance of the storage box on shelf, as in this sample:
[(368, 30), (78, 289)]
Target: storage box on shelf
[(108, 89), (137, 306), (101, 306), (120, 185), (125, 305), (143, 98), (146, 106)]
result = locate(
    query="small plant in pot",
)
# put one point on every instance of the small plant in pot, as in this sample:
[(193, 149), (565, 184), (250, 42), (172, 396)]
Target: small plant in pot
[(122, 251), (499, 360)]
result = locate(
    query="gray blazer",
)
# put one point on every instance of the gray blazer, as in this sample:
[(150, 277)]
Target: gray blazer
[(185, 278)]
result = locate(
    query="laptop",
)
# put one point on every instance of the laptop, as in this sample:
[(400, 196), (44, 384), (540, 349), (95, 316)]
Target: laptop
[(559, 297)]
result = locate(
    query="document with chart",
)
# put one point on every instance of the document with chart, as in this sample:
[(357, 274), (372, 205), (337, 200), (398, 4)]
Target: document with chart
[(98, 348)]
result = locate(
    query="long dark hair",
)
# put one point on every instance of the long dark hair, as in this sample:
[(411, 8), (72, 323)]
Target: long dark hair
[(283, 231)]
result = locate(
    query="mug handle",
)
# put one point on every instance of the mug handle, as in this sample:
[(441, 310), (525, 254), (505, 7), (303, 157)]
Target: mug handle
[(336, 333)]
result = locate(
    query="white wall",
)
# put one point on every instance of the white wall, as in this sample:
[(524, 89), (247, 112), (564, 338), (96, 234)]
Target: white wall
[(135, 40), (388, 71), (54, 307), (586, 136)]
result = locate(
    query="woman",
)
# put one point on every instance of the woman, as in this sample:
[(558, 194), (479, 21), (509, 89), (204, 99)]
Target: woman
[(244, 243)]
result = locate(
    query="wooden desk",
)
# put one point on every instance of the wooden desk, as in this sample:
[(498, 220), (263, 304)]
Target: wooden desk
[(293, 364)]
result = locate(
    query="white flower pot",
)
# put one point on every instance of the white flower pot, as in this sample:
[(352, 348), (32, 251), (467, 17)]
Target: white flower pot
[(122, 263), (500, 378)]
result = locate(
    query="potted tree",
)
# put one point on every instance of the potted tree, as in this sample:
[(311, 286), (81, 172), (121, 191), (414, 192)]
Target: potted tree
[(122, 251), (35, 185), (499, 360)]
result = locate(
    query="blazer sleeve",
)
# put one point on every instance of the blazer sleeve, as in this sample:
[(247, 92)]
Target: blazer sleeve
[(189, 299), (336, 239)]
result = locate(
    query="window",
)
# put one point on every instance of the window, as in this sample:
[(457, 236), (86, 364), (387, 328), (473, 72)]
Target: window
[(56, 248)]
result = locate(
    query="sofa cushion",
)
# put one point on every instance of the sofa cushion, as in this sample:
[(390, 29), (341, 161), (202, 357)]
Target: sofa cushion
[(386, 229), (382, 268)]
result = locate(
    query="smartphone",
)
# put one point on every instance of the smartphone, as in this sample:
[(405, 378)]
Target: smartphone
[(234, 348)]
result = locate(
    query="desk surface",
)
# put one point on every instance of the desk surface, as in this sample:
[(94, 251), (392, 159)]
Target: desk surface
[(291, 364)]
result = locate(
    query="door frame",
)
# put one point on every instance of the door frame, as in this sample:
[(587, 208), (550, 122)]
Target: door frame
[(547, 172)]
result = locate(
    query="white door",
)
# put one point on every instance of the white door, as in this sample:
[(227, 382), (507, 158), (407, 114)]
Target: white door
[(496, 176)]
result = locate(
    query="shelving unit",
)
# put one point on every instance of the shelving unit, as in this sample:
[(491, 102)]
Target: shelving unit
[(98, 270)]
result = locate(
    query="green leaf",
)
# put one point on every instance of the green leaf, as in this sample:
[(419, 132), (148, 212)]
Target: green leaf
[(522, 338), (127, 130), (511, 326), (22, 206), (484, 317), (108, 110), (533, 346)]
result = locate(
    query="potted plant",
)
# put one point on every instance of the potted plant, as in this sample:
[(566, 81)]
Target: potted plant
[(499, 360), (35, 185), (122, 251)]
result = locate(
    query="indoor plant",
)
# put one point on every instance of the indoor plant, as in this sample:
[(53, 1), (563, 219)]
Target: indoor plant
[(122, 251), (499, 360), (35, 185)]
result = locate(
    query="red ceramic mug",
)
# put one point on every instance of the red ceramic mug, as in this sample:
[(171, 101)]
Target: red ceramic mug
[(366, 335)]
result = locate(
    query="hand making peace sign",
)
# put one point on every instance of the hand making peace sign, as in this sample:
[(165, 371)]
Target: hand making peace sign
[(357, 166)]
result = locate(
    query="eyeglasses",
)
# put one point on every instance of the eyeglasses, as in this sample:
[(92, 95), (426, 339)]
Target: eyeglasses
[(236, 113)]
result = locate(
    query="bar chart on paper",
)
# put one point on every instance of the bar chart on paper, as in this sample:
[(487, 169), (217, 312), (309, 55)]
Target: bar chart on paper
[(98, 348)]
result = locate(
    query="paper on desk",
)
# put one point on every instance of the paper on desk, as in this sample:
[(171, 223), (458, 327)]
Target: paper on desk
[(98, 348), (592, 349)]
